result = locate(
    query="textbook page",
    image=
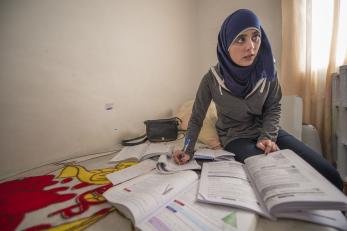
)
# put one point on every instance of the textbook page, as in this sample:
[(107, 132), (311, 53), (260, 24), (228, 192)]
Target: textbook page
[(226, 182), (185, 213), (213, 154), (131, 172), (167, 165), (130, 153), (140, 197), (286, 182)]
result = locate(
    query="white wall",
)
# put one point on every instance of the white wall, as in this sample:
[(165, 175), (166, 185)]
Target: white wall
[(62, 61)]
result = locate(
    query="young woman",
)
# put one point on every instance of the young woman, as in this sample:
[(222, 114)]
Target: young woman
[(247, 94)]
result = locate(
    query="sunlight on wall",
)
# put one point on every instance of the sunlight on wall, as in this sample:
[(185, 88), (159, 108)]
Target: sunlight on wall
[(322, 27), (342, 34)]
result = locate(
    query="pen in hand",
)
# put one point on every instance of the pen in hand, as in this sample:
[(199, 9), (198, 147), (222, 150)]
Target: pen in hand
[(181, 155)]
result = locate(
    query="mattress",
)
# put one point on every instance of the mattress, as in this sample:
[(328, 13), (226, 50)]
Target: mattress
[(67, 195)]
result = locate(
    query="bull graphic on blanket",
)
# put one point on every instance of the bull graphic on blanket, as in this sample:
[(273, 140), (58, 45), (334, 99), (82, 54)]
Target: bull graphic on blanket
[(69, 199)]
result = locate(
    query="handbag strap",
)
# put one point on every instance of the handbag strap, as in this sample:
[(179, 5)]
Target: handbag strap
[(179, 122), (131, 142), (178, 119)]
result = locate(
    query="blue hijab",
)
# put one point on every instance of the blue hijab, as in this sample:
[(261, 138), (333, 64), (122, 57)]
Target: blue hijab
[(241, 80)]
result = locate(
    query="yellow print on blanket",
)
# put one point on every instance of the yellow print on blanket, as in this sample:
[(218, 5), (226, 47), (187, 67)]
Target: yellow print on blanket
[(82, 223), (96, 176)]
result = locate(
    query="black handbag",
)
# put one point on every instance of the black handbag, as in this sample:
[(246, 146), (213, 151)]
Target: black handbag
[(161, 130)]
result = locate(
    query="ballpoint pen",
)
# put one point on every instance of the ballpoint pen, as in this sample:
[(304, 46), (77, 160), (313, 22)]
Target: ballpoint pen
[(186, 143)]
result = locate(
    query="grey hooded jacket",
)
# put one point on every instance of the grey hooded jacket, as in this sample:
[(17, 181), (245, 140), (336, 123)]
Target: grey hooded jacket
[(256, 116)]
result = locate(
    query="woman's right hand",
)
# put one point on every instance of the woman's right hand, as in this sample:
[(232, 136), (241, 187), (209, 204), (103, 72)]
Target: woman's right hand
[(180, 157), (267, 146)]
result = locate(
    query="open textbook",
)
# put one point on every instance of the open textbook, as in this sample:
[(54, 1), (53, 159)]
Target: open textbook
[(279, 184), (213, 154), (143, 151), (168, 202), (167, 165)]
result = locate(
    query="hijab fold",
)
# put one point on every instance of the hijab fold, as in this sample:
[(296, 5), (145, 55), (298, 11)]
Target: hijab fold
[(241, 80)]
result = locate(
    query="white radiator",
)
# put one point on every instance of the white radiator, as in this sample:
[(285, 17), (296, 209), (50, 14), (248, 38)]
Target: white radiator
[(339, 120)]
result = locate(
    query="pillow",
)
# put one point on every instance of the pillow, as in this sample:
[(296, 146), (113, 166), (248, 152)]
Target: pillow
[(208, 134)]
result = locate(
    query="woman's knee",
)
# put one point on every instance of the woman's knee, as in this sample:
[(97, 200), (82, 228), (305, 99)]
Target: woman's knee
[(243, 148)]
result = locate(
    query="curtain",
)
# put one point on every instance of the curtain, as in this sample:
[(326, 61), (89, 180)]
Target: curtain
[(313, 47)]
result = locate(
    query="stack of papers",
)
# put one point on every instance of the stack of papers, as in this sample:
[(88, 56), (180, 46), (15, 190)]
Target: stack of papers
[(131, 172), (143, 151)]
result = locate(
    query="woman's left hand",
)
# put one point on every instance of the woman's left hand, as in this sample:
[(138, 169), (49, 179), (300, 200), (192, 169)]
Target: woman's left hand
[(267, 146)]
